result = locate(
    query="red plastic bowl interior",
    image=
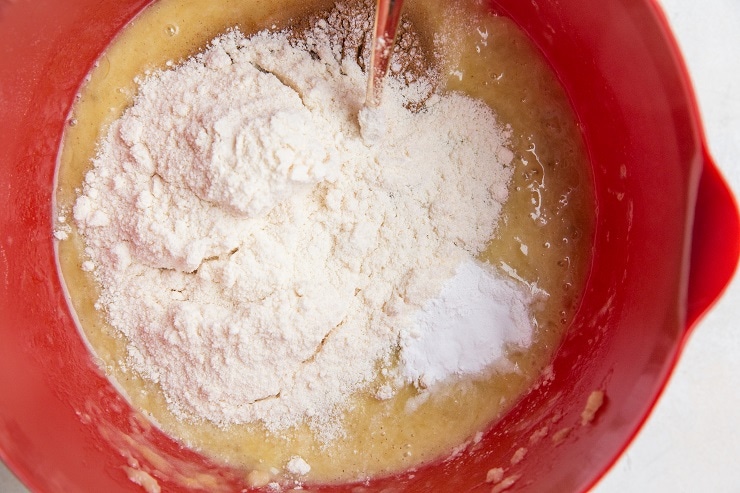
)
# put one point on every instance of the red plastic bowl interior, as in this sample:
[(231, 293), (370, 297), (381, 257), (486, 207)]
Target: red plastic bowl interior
[(665, 247)]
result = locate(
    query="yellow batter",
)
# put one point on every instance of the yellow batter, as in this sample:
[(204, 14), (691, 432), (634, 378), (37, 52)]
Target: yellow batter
[(544, 236)]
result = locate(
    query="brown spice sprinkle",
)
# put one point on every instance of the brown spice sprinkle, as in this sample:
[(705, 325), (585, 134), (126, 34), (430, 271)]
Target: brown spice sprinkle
[(353, 24)]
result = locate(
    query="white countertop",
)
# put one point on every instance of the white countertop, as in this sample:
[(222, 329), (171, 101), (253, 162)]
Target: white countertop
[(691, 442)]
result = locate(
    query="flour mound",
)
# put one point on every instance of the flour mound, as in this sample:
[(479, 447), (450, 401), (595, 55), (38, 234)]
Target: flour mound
[(259, 257)]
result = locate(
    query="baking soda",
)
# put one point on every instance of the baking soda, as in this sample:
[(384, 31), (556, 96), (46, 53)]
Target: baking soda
[(466, 329)]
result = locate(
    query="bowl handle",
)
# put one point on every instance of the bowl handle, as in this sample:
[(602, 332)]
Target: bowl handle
[(715, 243)]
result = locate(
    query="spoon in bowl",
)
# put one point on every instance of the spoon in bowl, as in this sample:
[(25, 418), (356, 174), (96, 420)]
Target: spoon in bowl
[(387, 16)]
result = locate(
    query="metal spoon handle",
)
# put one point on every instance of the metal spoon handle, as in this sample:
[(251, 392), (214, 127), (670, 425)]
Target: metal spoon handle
[(387, 16)]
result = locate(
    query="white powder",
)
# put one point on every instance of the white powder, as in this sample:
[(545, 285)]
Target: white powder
[(465, 329), (298, 466), (260, 258), (372, 124)]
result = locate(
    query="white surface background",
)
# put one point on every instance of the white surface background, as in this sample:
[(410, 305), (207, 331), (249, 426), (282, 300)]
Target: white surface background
[(691, 443)]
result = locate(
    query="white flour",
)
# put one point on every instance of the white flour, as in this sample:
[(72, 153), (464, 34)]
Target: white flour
[(261, 259)]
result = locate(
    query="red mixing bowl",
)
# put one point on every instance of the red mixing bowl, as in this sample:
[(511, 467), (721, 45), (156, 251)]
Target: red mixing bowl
[(666, 245)]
